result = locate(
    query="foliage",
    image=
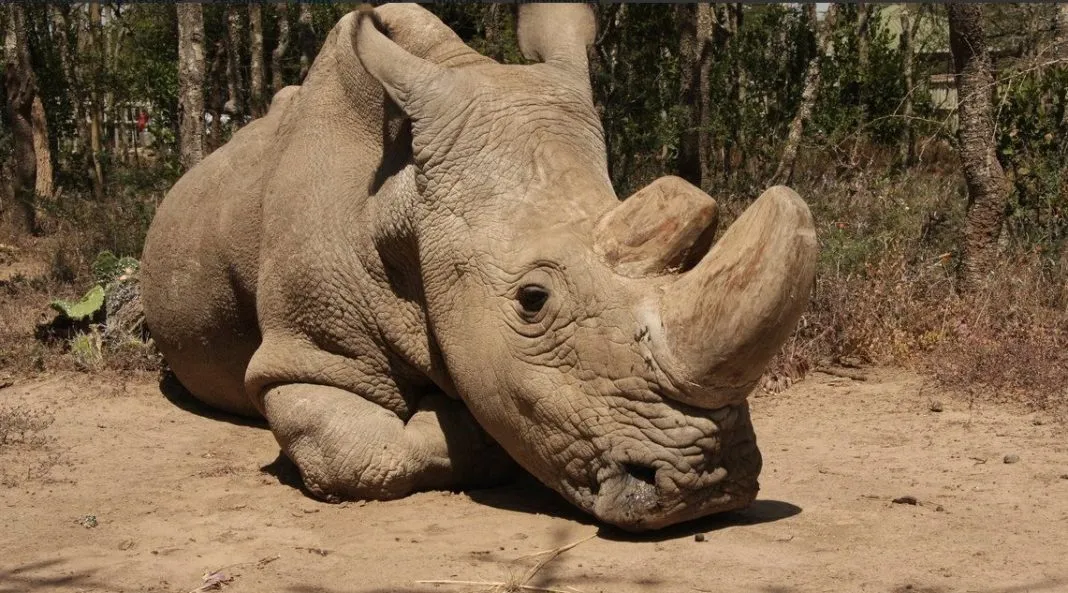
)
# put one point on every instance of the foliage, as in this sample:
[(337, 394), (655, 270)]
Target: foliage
[(888, 233), (83, 309), (109, 267), (635, 86), (773, 47), (87, 350), (146, 70), (1033, 146), (860, 100)]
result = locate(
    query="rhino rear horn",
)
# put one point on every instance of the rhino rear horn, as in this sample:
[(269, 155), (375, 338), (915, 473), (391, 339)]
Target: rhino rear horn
[(557, 34), (667, 226)]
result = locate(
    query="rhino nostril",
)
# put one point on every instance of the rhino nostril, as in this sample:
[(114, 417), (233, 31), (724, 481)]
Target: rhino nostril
[(643, 473)]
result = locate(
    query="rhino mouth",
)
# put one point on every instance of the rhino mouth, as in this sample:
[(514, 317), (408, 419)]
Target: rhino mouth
[(637, 487)]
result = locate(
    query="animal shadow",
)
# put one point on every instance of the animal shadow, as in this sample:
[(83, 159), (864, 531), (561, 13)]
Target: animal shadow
[(177, 394), (286, 472), (45, 575), (760, 511), (525, 494)]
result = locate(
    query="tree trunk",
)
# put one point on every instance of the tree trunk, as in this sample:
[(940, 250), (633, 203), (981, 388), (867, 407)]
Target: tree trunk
[(695, 57), (706, 23), (604, 67), (908, 149), (688, 166), (256, 100), (118, 120), (20, 85), (734, 150), (987, 187), (277, 80), (864, 10), (191, 82), (61, 24), (234, 105), (216, 96), (1060, 28), (784, 174), (491, 25), (42, 152), (96, 109), (306, 38)]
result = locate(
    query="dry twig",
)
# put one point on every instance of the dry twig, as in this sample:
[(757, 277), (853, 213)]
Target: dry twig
[(515, 585)]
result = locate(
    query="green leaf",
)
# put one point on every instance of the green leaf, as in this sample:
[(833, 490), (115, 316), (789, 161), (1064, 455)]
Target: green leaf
[(85, 308), (104, 266), (107, 266)]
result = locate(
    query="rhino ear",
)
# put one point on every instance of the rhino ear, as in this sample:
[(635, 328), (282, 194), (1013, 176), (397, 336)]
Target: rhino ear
[(403, 75), (556, 33)]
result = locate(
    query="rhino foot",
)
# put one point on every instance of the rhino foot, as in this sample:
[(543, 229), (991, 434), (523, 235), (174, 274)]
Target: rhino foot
[(439, 447)]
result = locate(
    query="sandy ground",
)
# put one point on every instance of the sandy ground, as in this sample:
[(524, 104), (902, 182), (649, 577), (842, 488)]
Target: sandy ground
[(177, 494)]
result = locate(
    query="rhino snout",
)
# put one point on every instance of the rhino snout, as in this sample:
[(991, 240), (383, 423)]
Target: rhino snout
[(639, 492)]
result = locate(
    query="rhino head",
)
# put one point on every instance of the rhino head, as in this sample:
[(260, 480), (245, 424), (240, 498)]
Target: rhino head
[(603, 344)]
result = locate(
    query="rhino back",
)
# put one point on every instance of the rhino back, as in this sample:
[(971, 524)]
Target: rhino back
[(201, 260), (276, 247), (330, 307)]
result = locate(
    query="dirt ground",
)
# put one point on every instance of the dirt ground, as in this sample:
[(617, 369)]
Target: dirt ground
[(175, 494)]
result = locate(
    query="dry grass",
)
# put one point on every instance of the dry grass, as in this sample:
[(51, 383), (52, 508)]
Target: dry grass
[(1009, 340), (885, 292), (57, 265), (516, 582), (29, 345), (22, 426), (27, 449), (23, 305)]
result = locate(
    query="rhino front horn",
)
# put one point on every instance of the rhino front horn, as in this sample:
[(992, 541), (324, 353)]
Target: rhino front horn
[(728, 316)]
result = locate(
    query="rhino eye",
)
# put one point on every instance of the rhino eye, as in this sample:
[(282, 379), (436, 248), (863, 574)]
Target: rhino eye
[(532, 297)]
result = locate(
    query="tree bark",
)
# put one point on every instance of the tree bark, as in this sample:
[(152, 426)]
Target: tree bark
[(987, 187), (734, 150), (41, 150), (784, 174), (96, 108), (277, 80), (1060, 41), (113, 45), (20, 87), (492, 27), (1060, 28), (216, 96), (604, 67), (234, 84), (257, 101), (908, 149), (864, 10), (695, 53), (191, 82), (706, 23), (306, 38), (61, 24)]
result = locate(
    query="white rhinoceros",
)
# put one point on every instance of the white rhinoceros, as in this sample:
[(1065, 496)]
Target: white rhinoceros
[(417, 255)]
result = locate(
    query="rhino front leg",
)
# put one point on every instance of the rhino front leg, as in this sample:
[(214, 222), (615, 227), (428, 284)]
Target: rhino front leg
[(349, 448)]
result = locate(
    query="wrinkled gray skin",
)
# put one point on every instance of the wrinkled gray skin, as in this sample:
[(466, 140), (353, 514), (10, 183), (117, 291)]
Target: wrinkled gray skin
[(419, 244)]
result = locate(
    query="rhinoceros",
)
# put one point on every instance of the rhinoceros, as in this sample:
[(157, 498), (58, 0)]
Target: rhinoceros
[(415, 268)]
